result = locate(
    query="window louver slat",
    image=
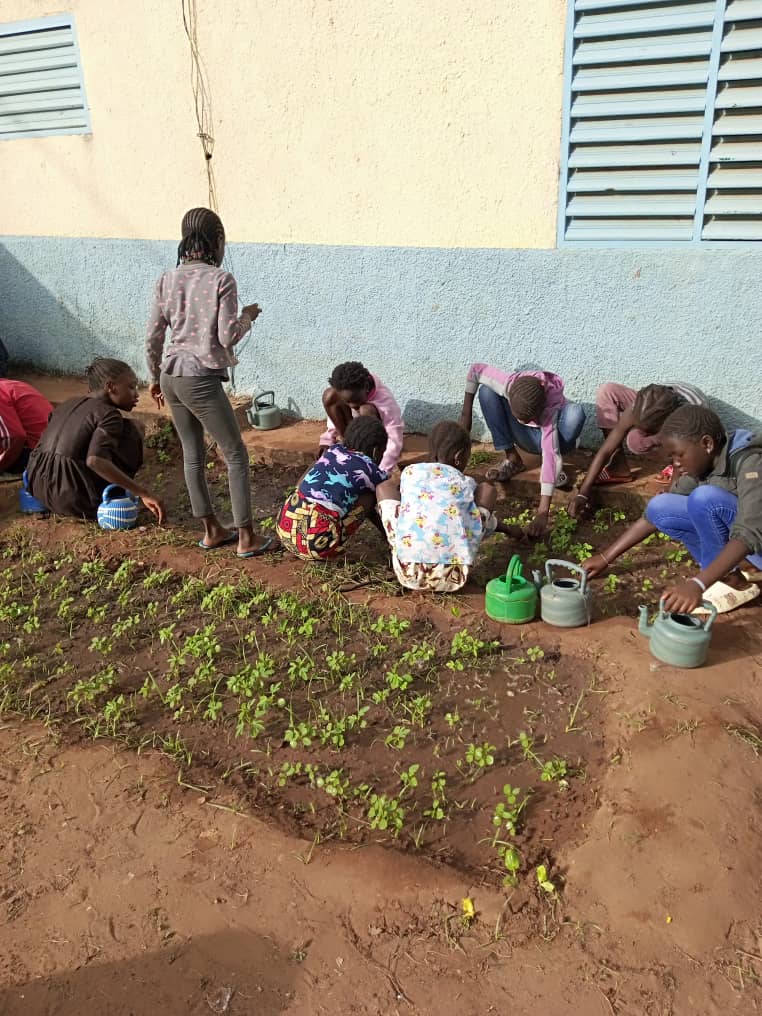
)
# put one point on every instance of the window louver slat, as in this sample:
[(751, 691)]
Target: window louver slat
[(41, 89)]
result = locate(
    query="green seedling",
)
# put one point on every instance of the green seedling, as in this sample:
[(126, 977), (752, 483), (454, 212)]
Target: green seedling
[(397, 738), (386, 813), (611, 582), (409, 778), (511, 859), (452, 719), (479, 757), (508, 812), (543, 881)]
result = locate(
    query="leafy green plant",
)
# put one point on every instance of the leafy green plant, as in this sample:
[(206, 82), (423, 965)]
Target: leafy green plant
[(409, 778), (386, 813), (611, 582), (480, 756), (397, 737), (543, 881), (508, 811), (437, 810)]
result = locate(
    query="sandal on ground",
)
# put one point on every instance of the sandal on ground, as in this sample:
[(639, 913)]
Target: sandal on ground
[(257, 553), (230, 538), (504, 472), (606, 476), (665, 476), (725, 598)]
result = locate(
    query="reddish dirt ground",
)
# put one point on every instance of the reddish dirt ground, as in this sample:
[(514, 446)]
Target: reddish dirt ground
[(125, 890)]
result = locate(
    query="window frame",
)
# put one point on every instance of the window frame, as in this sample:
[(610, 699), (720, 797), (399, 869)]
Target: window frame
[(45, 23), (704, 165)]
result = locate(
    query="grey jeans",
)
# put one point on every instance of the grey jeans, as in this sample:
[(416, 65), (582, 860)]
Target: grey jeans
[(199, 404)]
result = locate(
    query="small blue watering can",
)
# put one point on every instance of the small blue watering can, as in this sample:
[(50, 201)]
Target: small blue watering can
[(28, 504), (118, 512)]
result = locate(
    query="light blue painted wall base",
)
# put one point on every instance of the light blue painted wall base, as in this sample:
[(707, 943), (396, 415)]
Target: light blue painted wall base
[(417, 317)]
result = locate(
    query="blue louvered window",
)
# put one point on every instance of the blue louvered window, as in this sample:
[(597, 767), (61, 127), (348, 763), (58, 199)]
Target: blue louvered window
[(41, 87), (662, 137)]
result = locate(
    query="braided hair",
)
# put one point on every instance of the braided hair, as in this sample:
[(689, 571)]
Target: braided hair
[(202, 231), (102, 370), (691, 423), (351, 376), (366, 434), (447, 441), (652, 406), (527, 398)]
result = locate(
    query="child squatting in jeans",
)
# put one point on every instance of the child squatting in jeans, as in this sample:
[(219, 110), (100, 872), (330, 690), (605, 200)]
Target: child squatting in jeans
[(436, 519)]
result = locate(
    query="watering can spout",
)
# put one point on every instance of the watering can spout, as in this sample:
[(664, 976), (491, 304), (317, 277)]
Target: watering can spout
[(537, 579), (643, 626)]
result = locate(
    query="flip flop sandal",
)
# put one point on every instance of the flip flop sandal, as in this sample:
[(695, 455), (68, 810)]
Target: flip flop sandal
[(230, 538), (504, 472), (725, 598), (665, 476), (607, 477), (257, 553)]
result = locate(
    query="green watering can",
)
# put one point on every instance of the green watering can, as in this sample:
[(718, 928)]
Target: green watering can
[(682, 640), (510, 598)]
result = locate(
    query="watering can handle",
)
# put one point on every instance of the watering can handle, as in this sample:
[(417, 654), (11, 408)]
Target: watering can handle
[(108, 496), (258, 400), (572, 567), (707, 626), (513, 572)]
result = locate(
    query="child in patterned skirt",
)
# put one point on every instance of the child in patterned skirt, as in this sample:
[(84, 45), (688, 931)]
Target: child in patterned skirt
[(436, 519), (337, 494)]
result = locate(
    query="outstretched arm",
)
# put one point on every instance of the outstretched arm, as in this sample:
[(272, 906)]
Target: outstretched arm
[(600, 459), (632, 536)]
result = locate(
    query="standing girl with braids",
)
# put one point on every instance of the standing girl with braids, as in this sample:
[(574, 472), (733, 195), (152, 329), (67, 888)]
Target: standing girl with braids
[(88, 444), (198, 301)]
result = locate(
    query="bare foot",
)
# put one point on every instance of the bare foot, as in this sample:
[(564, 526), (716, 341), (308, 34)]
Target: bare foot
[(247, 541), (215, 534)]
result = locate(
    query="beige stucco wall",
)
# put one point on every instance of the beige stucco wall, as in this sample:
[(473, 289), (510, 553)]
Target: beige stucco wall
[(392, 122)]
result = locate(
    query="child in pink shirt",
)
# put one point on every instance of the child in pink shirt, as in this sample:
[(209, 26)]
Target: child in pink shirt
[(527, 409), (354, 391)]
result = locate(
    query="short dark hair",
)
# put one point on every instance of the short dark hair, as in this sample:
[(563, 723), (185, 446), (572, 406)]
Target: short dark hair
[(349, 376), (103, 369), (527, 398), (446, 440), (691, 423), (366, 434), (653, 404)]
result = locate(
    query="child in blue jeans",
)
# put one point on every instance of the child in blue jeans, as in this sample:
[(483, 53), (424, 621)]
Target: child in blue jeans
[(714, 509), (527, 410)]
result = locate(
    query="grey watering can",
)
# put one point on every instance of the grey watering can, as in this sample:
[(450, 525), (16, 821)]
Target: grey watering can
[(264, 414), (682, 640), (564, 603)]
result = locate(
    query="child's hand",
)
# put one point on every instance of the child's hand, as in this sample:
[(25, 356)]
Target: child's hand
[(539, 526), (579, 506), (253, 310), (595, 566), (683, 598), (155, 506), (156, 395)]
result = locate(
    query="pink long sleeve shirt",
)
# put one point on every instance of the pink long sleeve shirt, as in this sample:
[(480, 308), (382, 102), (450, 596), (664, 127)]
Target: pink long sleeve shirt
[(200, 304), (391, 417), (500, 381)]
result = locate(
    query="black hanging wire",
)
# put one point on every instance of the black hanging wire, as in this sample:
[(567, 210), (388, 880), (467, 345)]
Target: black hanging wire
[(202, 100), (202, 96)]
